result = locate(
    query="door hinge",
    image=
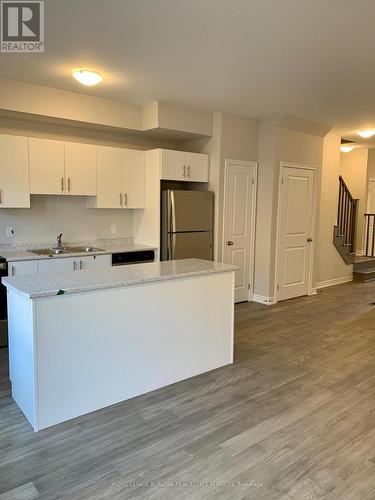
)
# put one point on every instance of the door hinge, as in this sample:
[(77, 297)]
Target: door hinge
[(248, 286), (278, 287), (282, 180)]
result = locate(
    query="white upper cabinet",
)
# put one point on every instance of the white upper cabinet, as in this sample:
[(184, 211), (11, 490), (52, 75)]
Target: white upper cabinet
[(14, 172), (133, 178), (120, 178), (46, 159), (80, 169), (182, 166), (109, 178)]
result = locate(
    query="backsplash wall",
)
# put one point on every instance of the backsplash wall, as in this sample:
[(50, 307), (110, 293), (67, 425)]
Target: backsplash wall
[(51, 215)]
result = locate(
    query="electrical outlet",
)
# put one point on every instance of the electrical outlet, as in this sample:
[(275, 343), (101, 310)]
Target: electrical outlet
[(113, 229), (10, 231)]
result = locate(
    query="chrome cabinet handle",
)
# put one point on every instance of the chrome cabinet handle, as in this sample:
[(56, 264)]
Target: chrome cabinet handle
[(229, 243), (74, 265), (62, 185), (126, 199), (1, 196), (184, 171), (188, 171), (81, 264), (120, 199), (309, 240), (69, 184), (13, 271)]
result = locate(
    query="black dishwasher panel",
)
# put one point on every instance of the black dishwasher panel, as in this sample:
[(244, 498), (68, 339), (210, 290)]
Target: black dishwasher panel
[(134, 257)]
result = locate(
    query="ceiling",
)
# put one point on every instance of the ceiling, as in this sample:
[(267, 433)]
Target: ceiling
[(255, 57)]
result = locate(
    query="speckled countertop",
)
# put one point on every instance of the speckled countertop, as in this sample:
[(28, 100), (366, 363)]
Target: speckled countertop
[(45, 285), (17, 253)]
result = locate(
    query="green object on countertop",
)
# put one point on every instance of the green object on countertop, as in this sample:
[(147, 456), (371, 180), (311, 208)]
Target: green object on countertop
[(60, 292)]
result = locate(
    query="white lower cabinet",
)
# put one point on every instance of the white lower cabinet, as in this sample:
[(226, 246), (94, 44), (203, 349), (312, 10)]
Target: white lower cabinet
[(74, 263), (95, 262), (23, 268), (56, 265)]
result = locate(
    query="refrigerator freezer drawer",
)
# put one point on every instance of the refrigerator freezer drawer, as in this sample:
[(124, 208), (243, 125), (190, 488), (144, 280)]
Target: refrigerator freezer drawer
[(190, 245)]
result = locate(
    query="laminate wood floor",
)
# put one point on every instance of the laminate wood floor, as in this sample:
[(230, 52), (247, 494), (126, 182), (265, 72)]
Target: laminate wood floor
[(293, 418)]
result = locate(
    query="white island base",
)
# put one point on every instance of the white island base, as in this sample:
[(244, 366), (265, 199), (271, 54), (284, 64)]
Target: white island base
[(74, 353)]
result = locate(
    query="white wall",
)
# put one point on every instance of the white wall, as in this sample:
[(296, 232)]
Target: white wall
[(51, 215), (330, 267)]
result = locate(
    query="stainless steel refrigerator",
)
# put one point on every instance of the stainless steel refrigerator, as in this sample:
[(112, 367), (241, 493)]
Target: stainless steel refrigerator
[(187, 224)]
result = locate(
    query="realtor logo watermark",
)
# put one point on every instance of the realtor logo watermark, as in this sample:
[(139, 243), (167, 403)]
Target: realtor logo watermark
[(22, 26)]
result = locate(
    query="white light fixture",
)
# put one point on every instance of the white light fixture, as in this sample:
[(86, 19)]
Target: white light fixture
[(366, 133), (346, 149), (87, 76)]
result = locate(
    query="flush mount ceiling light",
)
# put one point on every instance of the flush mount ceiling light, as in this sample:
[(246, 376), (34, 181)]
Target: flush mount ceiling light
[(346, 149), (366, 133), (87, 76)]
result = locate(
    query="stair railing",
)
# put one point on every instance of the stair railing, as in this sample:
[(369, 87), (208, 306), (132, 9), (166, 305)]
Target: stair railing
[(370, 236), (347, 215)]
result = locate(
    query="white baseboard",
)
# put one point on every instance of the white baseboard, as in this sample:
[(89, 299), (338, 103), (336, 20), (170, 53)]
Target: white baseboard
[(335, 281), (262, 299)]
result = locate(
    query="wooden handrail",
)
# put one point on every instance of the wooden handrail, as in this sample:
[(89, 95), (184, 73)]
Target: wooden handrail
[(347, 215)]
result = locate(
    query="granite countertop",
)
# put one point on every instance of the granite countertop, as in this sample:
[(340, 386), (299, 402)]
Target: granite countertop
[(20, 252), (45, 285)]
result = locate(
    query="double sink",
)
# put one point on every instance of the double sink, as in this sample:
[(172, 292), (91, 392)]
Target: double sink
[(64, 250)]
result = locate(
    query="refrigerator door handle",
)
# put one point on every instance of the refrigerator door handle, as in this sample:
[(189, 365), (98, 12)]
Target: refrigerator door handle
[(169, 247), (172, 213)]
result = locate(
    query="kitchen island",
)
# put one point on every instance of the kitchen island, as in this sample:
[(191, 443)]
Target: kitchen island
[(81, 341)]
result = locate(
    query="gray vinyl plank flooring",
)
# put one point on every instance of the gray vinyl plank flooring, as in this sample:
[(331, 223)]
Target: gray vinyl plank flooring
[(291, 419)]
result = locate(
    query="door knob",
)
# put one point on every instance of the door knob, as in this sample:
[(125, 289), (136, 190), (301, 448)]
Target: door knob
[(309, 240), (229, 243)]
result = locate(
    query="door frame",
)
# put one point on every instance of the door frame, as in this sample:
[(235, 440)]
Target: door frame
[(370, 179), (254, 165), (283, 164)]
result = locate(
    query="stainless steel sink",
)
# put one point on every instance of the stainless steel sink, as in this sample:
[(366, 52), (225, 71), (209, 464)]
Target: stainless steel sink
[(64, 250)]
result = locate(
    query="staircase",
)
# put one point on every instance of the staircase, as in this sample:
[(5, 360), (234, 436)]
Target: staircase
[(345, 231), (344, 236), (364, 267)]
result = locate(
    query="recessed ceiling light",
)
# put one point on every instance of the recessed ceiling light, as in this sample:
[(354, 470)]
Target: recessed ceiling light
[(366, 133), (346, 149), (87, 76)]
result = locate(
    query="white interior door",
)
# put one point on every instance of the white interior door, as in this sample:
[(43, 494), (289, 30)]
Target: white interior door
[(239, 223), (295, 242)]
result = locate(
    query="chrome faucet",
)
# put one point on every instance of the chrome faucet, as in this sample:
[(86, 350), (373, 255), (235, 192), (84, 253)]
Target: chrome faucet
[(59, 239)]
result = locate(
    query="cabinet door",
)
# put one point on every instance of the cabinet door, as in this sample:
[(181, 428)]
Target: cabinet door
[(95, 262), (173, 165), (133, 178), (197, 167), (23, 268), (46, 159), (109, 175), (57, 265), (80, 169), (14, 172)]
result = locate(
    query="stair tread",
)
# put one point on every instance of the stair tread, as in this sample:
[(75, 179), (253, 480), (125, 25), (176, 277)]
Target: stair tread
[(364, 271)]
